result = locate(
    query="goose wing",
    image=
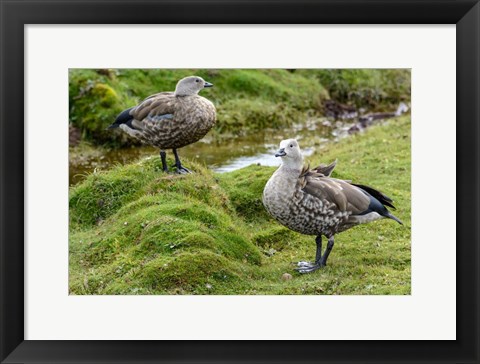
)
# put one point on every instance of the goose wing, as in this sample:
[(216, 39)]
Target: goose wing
[(343, 195), (356, 199), (155, 108)]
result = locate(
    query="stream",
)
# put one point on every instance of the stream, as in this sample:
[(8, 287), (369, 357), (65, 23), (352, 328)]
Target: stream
[(223, 154)]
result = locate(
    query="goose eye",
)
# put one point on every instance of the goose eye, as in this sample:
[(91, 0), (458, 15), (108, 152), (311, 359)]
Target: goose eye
[(197, 80), (291, 145)]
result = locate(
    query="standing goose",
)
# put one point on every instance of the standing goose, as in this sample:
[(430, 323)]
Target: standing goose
[(170, 120), (310, 202)]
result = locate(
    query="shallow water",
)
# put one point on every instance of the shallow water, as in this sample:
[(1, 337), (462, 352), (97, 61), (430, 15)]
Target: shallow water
[(221, 155)]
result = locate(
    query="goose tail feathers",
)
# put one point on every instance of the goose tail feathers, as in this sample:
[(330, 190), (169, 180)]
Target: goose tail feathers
[(393, 217), (123, 118)]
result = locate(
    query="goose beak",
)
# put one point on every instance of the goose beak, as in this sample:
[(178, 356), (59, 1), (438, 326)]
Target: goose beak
[(208, 84), (280, 153)]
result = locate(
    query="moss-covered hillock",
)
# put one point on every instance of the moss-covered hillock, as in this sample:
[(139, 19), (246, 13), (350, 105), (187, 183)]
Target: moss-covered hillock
[(173, 227)]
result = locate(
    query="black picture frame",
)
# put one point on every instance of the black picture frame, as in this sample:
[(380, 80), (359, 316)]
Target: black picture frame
[(15, 14)]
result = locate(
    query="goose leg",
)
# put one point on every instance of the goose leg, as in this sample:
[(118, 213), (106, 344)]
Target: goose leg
[(318, 254), (329, 248), (163, 156), (180, 169), (307, 267)]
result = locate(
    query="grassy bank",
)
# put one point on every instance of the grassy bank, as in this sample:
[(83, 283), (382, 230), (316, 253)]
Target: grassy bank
[(378, 89), (246, 99), (135, 230)]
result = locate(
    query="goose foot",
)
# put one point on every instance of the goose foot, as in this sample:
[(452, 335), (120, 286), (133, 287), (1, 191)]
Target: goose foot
[(305, 264), (180, 169), (320, 260), (308, 267)]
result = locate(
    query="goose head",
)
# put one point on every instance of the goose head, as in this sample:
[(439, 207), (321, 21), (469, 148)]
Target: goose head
[(290, 153), (191, 86)]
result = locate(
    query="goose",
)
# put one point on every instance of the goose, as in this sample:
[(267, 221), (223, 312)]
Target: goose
[(311, 202), (170, 120)]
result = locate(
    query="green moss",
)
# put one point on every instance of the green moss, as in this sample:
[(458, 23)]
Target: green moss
[(188, 273), (95, 101), (277, 238), (107, 97), (208, 233), (103, 194)]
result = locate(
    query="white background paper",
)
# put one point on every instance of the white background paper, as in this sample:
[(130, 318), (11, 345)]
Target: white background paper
[(429, 313)]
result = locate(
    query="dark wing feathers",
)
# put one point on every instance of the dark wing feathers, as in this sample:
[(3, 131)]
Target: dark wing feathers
[(377, 203), (385, 200)]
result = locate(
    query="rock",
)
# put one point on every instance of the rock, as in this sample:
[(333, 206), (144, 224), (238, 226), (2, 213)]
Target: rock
[(286, 277), (354, 129), (270, 252), (337, 110)]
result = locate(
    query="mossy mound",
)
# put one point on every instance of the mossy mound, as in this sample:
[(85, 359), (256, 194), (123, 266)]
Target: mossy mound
[(137, 217), (137, 230)]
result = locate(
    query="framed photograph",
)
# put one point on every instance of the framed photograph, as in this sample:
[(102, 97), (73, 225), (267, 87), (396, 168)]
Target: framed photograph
[(201, 181)]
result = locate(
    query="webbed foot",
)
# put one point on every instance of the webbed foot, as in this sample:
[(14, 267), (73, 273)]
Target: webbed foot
[(308, 267), (182, 170)]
